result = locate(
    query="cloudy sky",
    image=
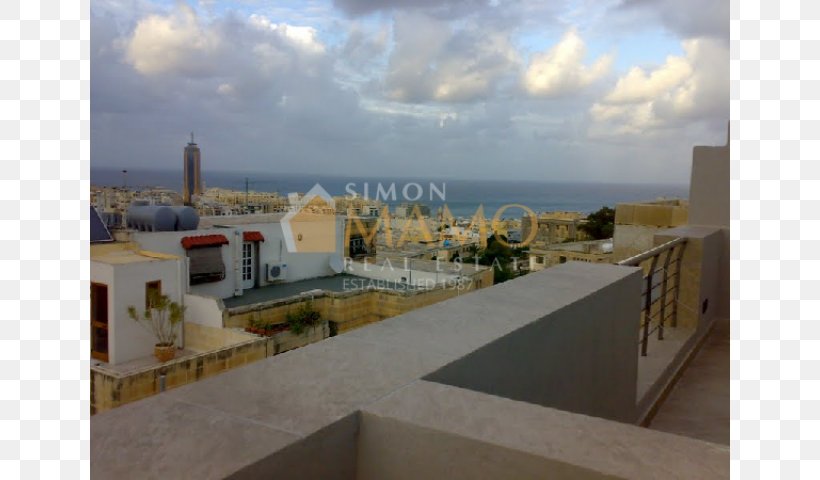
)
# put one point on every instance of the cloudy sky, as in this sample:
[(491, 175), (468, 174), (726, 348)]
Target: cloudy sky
[(600, 90)]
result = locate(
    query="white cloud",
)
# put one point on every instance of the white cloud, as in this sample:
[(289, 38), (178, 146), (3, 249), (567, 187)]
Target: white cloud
[(684, 89), (433, 61), (638, 86), (176, 42), (181, 42), (302, 37), (561, 69), (225, 89)]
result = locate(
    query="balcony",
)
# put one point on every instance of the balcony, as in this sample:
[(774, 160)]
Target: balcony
[(539, 377)]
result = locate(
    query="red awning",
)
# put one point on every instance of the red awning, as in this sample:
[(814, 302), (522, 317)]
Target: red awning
[(253, 236), (203, 241)]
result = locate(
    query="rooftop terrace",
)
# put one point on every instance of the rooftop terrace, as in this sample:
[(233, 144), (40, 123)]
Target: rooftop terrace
[(500, 382)]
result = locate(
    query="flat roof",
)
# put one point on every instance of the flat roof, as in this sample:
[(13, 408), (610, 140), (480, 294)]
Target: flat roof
[(120, 253), (336, 283)]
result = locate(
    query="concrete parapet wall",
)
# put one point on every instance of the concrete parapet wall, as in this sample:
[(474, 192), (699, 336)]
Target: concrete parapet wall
[(581, 358), (709, 186), (203, 310)]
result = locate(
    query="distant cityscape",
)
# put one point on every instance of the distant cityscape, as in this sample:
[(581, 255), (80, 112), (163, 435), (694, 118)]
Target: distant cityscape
[(250, 254)]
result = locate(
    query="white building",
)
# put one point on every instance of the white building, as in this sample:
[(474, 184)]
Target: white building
[(123, 275), (227, 255), (221, 258)]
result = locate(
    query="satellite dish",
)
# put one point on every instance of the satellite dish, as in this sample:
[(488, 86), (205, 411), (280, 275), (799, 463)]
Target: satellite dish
[(336, 264)]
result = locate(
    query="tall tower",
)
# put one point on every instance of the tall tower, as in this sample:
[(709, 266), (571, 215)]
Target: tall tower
[(191, 179)]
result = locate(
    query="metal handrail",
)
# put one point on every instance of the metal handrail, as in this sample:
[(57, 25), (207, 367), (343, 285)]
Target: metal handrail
[(637, 259), (671, 247)]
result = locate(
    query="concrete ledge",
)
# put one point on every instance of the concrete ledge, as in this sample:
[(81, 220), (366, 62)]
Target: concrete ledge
[(429, 430), (163, 438), (328, 454)]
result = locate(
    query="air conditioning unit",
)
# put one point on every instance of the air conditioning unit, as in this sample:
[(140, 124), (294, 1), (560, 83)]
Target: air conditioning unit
[(276, 272)]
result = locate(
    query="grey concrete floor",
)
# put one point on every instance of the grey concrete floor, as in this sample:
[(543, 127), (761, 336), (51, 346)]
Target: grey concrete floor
[(660, 354), (698, 405)]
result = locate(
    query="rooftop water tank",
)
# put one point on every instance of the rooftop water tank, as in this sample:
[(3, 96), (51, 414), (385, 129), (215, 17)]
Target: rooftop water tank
[(187, 218), (151, 218)]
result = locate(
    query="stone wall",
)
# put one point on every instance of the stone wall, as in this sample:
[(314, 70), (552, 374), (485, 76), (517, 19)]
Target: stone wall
[(350, 310), (110, 389), (637, 223), (702, 282)]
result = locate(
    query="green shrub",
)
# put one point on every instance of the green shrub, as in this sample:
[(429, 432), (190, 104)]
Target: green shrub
[(303, 317)]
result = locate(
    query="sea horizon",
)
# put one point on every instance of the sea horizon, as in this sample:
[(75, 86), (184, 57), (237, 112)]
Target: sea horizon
[(462, 196)]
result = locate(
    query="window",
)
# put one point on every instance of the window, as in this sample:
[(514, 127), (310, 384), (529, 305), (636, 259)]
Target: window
[(152, 291), (99, 321), (206, 264), (247, 261), (539, 260), (562, 259), (356, 245)]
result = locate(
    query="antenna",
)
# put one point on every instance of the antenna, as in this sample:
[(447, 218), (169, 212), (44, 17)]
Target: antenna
[(192, 138)]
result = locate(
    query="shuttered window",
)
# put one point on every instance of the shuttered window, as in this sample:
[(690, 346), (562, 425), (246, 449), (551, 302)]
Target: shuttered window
[(206, 265)]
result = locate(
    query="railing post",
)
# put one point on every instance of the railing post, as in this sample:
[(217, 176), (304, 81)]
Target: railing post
[(678, 275), (654, 254), (648, 306), (663, 292)]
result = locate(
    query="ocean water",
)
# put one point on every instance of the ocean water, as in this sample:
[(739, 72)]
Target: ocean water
[(462, 197)]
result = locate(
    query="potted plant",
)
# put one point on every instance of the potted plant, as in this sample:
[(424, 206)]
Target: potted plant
[(162, 319)]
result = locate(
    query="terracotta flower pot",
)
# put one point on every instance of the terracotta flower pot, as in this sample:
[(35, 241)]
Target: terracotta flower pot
[(165, 353)]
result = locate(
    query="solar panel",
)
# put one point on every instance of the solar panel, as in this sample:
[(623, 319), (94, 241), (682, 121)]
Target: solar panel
[(99, 232)]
